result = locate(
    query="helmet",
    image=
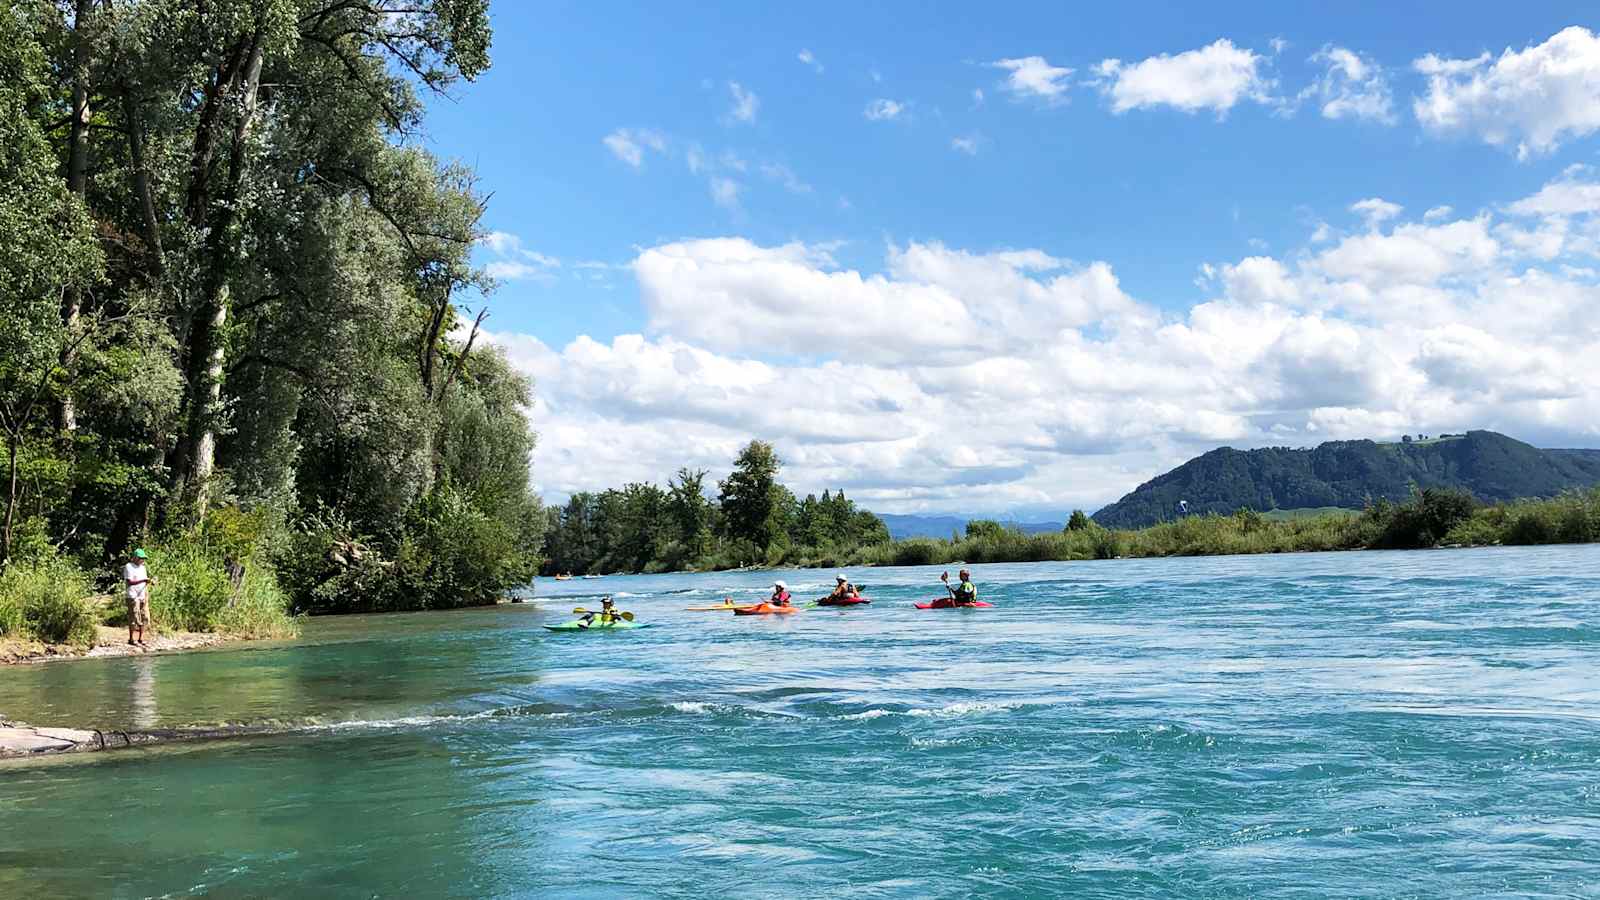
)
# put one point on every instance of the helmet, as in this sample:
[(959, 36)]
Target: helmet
[(840, 577), (780, 585)]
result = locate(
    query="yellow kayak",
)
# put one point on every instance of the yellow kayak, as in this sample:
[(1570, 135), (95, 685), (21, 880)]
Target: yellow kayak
[(724, 606)]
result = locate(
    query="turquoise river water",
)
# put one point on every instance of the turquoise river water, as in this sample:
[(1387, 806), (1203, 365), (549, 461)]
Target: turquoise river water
[(1350, 725)]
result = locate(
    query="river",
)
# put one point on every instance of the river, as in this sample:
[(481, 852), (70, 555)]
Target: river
[(1354, 725)]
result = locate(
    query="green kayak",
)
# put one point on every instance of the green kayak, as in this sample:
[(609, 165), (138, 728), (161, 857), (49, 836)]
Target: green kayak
[(577, 625)]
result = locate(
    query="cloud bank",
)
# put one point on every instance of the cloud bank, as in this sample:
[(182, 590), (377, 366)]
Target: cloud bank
[(994, 380)]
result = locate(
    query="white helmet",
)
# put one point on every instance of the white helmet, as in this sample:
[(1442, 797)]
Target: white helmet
[(840, 577), (780, 585)]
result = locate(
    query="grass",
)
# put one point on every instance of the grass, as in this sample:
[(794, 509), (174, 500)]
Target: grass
[(46, 599)]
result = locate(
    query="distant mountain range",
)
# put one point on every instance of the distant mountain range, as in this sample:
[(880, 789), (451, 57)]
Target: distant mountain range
[(901, 527), (1350, 473)]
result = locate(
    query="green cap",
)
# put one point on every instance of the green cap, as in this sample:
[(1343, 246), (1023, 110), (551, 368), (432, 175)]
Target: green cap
[(139, 554)]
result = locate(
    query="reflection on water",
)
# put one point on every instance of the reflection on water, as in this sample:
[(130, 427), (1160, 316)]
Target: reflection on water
[(1312, 725), (143, 693)]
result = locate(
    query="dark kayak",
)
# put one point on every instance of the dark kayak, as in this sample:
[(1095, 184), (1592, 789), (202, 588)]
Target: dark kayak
[(857, 600), (947, 603)]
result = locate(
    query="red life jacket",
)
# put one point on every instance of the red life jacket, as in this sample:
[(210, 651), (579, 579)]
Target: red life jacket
[(781, 599)]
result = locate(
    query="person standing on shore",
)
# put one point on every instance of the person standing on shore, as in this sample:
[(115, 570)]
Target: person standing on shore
[(136, 579)]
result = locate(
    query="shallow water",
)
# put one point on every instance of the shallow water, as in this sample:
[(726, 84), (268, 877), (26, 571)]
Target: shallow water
[(1371, 724)]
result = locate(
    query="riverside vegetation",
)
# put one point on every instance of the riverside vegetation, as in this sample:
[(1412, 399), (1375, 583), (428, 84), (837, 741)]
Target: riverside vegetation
[(755, 520), (1430, 518), (232, 327)]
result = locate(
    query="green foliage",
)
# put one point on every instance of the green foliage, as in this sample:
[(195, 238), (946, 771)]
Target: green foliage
[(751, 504), (757, 521), (981, 528), (1430, 518), (45, 599), (254, 193), (1078, 521)]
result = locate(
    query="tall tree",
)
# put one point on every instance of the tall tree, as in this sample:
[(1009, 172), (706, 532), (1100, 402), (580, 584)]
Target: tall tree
[(49, 251), (750, 504)]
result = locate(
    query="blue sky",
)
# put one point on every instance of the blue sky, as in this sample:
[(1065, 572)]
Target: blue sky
[(918, 149)]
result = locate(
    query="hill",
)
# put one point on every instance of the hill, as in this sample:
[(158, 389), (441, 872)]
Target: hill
[(1348, 474), (906, 526)]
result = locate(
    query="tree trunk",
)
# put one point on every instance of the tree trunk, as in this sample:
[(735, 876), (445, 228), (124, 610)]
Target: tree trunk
[(207, 349), (11, 499), (133, 119), (78, 183)]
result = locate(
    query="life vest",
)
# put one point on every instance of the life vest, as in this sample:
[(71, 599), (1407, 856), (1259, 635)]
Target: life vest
[(781, 599)]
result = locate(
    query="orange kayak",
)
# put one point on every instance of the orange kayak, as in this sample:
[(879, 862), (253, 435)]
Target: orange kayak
[(763, 609)]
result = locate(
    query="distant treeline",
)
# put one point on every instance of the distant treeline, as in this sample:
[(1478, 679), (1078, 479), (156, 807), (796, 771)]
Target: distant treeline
[(1430, 518), (754, 520)]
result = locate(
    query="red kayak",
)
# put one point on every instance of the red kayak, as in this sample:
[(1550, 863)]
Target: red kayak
[(947, 603), (763, 609), (857, 600)]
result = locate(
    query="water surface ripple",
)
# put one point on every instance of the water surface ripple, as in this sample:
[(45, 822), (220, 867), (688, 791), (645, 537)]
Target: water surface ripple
[(1354, 725)]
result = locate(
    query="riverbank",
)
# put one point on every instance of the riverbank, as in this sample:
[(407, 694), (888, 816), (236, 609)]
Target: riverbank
[(111, 641)]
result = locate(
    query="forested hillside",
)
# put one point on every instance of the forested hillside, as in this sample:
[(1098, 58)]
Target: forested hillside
[(1351, 474), (231, 301), (754, 520)]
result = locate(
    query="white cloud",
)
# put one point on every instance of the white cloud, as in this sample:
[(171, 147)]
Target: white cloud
[(725, 192), (1067, 390), (977, 97), (513, 261), (1375, 210), (884, 110), (967, 144), (1575, 193), (1033, 76), (745, 103), (1216, 77), (810, 59), (630, 144), (785, 176), (1438, 212), (1351, 87), (1535, 98)]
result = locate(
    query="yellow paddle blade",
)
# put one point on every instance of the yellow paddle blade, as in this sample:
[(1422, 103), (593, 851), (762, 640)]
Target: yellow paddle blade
[(627, 615)]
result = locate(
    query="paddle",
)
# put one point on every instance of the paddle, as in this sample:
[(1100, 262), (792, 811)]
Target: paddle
[(621, 615)]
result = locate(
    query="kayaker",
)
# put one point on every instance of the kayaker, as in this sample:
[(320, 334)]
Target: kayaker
[(963, 594), (843, 589), (607, 614), (780, 594)]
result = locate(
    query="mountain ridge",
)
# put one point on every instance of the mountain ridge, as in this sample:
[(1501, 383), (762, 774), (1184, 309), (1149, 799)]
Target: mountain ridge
[(1349, 474)]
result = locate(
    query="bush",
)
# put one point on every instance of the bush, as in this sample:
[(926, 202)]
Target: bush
[(1078, 522), (46, 599), (194, 589)]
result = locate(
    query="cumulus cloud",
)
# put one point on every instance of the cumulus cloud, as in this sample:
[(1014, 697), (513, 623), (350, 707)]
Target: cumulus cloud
[(1067, 390), (630, 144), (1352, 86), (1033, 76), (1534, 98), (745, 103), (1576, 192), (513, 261), (1375, 210), (1216, 77), (884, 110)]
